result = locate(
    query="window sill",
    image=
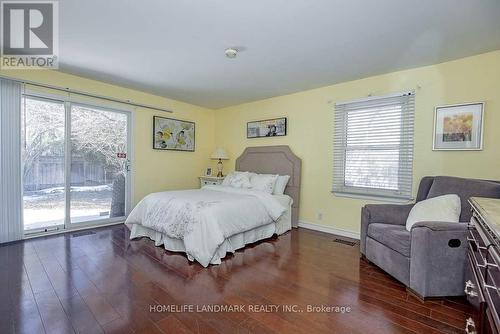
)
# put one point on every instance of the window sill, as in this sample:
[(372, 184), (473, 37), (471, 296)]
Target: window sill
[(374, 198)]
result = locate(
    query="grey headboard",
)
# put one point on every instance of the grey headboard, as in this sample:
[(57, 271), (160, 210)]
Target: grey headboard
[(275, 160)]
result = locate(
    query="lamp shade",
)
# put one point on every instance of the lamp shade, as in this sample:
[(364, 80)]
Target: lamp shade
[(220, 153)]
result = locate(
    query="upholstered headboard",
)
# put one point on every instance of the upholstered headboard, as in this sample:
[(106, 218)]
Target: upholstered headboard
[(275, 160)]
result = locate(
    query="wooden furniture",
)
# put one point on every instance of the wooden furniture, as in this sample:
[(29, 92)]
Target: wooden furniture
[(207, 180), (482, 278), (275, 160)]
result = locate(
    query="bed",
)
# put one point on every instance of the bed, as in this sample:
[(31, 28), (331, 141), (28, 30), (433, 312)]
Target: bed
[(211, 222)]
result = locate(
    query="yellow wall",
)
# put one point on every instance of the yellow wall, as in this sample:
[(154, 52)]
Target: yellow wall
[(310, 129), (154, 170)]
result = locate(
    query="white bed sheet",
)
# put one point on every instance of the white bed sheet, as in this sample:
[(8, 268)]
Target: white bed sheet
[(229, 244)]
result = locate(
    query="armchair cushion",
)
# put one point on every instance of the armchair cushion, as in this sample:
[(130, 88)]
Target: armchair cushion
[(465, 188), (394, 214), (396, 237)]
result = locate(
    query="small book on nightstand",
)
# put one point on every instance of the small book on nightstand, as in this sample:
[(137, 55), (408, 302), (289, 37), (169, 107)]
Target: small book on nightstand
[(206, 180)]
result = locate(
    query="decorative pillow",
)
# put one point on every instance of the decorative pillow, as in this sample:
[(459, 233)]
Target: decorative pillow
[(237, 180), (465, 188), (444, 208), (229, 177), (264, 182), (281, 182)]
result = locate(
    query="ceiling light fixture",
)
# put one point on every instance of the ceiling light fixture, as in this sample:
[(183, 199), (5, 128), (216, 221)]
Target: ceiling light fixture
[(231, 53)]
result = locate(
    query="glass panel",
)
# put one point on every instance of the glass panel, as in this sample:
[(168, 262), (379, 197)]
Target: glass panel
[(377, 169), (372, 153), (43, 163), (374, 126), (98, 161)]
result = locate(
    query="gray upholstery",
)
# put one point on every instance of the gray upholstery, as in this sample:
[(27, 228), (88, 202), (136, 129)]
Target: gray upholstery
[(424, 187), (396, 237), (436, 268), (440, 226), (430, 259), (382, 213), (392, 262), (277, 159), (465, 188)]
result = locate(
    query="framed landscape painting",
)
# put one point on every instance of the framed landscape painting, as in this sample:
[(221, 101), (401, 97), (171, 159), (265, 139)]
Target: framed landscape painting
[(459, 127), (173, 134), (267, 128)]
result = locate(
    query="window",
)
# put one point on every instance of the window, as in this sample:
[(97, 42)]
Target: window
[(373, 147)]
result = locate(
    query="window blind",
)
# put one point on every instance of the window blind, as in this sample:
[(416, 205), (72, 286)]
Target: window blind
[(373, 146), (11, 193)]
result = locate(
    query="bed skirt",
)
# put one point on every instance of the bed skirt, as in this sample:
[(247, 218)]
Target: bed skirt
[(230, 245)]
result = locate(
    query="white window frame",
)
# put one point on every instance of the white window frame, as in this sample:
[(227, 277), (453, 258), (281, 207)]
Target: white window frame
[(403, 193)]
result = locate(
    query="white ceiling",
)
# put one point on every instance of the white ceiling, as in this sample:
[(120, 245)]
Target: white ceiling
[(176, 48)]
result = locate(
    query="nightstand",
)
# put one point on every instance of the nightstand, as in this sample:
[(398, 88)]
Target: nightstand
[(206, 180)]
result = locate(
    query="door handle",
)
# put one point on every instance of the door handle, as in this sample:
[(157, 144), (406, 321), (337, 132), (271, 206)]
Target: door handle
[(469, 289), (470, 326)]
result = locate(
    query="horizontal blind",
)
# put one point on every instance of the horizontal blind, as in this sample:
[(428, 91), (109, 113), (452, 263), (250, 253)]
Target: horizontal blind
[(373, 146)]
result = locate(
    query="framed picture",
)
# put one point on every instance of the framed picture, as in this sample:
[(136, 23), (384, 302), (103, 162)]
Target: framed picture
[(459, 127), (208, 171), (173, 134), (267, 128)]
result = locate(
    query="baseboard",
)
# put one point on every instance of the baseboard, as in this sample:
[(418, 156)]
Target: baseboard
[(330, 230)]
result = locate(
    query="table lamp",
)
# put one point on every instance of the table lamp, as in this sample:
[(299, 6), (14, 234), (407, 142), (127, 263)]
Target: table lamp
[(219, 154)]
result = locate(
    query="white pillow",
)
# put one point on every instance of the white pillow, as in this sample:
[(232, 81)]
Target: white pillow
[(250, 174), (264, 182), (444, 208), (281, 182), (237, 180)]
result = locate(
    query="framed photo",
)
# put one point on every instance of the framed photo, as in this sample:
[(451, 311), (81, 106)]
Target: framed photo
[(267, 128), (173, 134), (459, 127), (208, 171)]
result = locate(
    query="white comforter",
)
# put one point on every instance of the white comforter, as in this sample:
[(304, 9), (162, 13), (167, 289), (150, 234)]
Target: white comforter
[(204, 218)]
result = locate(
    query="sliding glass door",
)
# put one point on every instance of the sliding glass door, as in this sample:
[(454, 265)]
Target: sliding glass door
[(98, 164), (76, 164), (43, 155)]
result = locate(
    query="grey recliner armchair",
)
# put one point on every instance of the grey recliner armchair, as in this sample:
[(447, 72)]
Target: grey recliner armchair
[(430, 259)]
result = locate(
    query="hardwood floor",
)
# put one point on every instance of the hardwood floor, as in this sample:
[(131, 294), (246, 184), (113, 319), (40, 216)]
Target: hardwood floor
[(98, 281)]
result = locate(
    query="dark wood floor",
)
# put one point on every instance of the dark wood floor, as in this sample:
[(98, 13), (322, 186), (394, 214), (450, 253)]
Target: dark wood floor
[(99, 281)]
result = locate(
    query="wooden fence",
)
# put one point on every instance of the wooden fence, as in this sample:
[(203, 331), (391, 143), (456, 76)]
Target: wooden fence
[(48, 172)]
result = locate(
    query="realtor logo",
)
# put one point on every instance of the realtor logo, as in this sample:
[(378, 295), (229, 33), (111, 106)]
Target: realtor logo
[(29, 34)]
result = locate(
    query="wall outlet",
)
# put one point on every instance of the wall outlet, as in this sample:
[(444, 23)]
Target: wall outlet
[(319, 215)]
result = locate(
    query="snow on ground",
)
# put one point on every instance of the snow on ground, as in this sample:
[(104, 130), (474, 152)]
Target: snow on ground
[(45, 208), (33, 195)]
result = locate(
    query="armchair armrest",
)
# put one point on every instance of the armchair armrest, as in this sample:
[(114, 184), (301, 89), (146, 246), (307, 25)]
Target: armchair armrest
[(382, 213), (441, 226), (438, 254)]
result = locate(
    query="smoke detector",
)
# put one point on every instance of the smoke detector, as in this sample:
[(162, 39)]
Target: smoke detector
[(231, 53)]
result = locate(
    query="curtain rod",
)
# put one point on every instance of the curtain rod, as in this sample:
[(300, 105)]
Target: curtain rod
[(77, 92), (371, 97)]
